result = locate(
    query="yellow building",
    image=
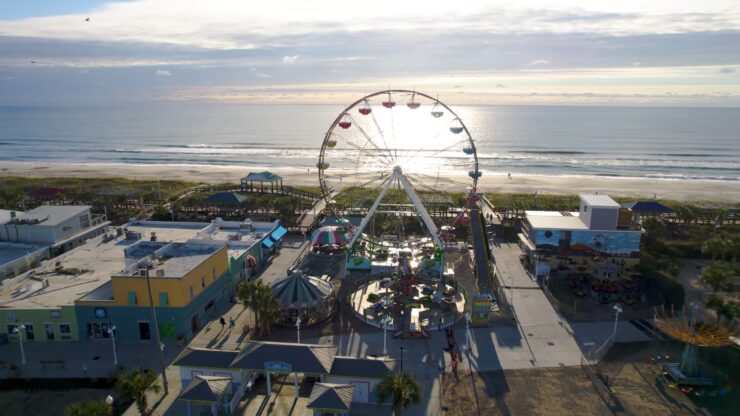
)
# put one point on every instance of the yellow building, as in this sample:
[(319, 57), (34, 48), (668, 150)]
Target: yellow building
[(188, 282)]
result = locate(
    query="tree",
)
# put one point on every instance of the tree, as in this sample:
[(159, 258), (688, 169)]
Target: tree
[(718, 247), (258, 297), (402, 389), (716, 275), (723, 309), (135, 385), (89, 408)]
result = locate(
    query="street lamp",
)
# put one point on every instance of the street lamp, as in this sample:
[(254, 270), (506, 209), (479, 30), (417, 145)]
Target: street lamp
[(467, 331), (401, 359), (298, 328), (385, 323), (112, 333), (617, 310), (19, 330)]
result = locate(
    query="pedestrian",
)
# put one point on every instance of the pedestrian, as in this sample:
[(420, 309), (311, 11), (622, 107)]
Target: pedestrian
[(232, 322), (223, 323)]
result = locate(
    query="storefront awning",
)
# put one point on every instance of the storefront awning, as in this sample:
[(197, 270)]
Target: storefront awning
[(267, 243), (278, 233)]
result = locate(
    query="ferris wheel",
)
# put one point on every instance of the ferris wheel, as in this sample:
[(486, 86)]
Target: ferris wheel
[(398, 139)]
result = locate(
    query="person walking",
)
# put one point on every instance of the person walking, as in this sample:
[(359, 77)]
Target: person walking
[(223, 323), (232, 322)]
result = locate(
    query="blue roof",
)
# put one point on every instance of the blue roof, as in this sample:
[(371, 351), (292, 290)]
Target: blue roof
[(647, 206), (226, 198), (278, 233), (267, 243), (263, 177)]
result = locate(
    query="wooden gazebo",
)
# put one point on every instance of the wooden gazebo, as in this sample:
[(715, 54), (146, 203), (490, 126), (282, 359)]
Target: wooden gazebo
[(274, 182)]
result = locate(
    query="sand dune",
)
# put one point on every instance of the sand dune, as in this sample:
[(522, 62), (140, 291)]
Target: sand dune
[(725, 191)]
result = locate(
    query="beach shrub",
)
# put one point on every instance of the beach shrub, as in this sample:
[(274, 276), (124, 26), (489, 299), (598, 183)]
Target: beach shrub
[(373, 297)]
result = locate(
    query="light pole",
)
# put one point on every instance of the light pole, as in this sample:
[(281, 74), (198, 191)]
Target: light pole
[(385, 322), (160, 346), (467, 331), (19, 330), (401, 359), (617, 310), (112, 333), (298, 328)]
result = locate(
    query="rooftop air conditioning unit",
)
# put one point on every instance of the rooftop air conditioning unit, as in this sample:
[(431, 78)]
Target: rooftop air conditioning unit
[(160, 273), (143, 272)]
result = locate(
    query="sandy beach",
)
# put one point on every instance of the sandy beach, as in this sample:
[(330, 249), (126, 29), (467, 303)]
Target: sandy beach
[(724, 191)]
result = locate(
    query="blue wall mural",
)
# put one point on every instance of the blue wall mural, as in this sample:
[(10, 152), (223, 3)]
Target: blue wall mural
[(623, 243)]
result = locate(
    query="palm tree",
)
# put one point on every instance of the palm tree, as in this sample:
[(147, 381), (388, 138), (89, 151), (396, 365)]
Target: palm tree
[(247, 296), (258, 297), (89, 408), (135, 385), (401, 388), (269, 308)]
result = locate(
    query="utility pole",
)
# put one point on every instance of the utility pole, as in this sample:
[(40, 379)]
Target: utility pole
[(158, 340)]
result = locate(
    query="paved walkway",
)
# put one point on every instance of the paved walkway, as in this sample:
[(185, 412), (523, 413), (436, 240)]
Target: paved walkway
[(541, 338)]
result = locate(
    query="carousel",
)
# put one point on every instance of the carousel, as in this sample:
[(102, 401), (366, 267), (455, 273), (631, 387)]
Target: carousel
[(302, 296)]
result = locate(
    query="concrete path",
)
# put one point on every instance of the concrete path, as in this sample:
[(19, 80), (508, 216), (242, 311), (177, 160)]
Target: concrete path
[(541, 338)]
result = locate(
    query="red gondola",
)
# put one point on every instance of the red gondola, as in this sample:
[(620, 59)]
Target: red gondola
[(413, 104), (389, 103), (365, 109), (345, 123)]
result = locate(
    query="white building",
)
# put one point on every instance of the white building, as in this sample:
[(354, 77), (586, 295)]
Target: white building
[(60, 226)]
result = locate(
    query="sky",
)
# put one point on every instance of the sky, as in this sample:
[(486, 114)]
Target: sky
[(627, 52)]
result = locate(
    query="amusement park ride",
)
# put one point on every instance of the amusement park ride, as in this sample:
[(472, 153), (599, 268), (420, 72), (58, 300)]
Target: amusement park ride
[(406, 150)]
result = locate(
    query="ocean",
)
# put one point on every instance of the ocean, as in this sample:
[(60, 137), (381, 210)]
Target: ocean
[(664, 143)]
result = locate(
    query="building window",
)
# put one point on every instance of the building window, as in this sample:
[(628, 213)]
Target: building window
[(132, 298), (65, 329), (164, 299), (11, 329), (192, 292), (203, 282), (585, 208)]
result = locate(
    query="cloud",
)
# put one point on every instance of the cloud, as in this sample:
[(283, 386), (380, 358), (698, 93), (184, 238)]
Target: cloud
[(261, 75), (727, 70), (500, 86), (163, 73), (539, 62), (289, 59), (636, 63)]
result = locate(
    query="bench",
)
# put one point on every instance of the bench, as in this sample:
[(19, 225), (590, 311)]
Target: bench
[(61, 363)]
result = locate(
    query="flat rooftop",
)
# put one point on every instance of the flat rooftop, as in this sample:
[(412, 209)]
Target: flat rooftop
[(178, 232), (81, 271), (175, 260), (10, 252), (247, 232), (52, 215), (600, 201), (553, 220)]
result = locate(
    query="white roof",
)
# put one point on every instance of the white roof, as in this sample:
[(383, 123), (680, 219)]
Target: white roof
[(601, 201), (4, 215), (554, 222), (52, 215)]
